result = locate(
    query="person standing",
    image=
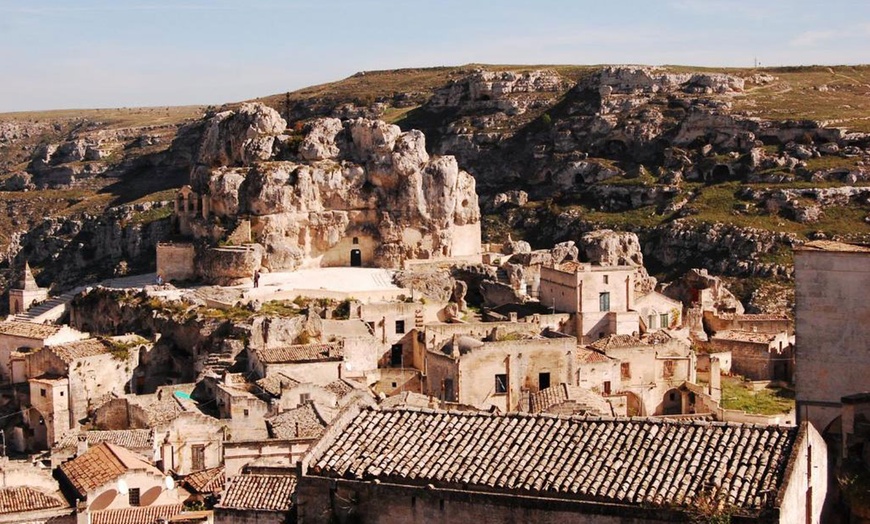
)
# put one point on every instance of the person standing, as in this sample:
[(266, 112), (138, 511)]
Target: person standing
[(257, 278)]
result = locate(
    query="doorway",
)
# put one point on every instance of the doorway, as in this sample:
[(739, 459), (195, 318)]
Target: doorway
[(355, 258), (396, 355)]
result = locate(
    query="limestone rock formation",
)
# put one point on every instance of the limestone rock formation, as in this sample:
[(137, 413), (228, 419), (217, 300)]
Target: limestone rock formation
[(359, 192), (611, 248)]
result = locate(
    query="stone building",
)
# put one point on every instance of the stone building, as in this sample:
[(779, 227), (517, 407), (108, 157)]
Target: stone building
[(318, 363), (189, 443), (757, 356), (652, 369), (411, 465), (497, 370), (109, 478), (656, 311), (601, 297), (25, 293), (261, 496), (831, 328), (16, 338), (758, 323), (65, 379)]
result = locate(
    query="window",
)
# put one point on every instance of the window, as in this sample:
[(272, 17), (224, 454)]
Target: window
[(625, 370), (651, 322), (396, 355), (42, 392), (246, 413), (197, 457), (663, 318), (371, 326), (400, 326), (606, 279), (604, 301), (355, 240), (606, 387), (448, 390), (543, 380), (133, 496), (304, 398), (61, 393), (501, 383)]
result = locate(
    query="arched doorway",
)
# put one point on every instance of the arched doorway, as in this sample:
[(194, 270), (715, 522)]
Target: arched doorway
[(355, 258), (672, 403)]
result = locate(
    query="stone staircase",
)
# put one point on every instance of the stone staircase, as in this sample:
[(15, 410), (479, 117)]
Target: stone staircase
[(50, 311)]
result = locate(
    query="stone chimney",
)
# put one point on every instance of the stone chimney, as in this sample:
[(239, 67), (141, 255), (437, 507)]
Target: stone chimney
[(81, 445)]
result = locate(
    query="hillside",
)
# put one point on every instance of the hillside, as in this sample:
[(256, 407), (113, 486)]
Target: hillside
[(723, 168)]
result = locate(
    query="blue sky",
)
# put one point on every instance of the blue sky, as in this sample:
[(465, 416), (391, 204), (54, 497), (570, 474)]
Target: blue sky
[(125, 53)]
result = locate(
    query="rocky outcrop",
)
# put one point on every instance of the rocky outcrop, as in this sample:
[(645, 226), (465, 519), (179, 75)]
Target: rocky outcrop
[(610, 248), (355, 184)]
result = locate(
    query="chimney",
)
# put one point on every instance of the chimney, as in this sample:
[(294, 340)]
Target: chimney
[(81, 445)]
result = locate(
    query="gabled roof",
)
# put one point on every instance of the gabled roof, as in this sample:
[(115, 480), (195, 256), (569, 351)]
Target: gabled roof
[(127, 438), (136, 515), (259, 492), (621, 461), (276, 383), (21, 499), (340, 387), (100, 465), (32, 330), (301, 422), (585, 401), (207, 481), (300, 353), (80, 349), (591, 356), (736, 335)]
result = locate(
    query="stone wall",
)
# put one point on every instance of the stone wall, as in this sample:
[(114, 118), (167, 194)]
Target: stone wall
[(806, 479), (832, 322), (175, 261), (248, 516)]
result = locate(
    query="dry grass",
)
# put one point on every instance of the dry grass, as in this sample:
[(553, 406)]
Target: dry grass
[(112, 118)]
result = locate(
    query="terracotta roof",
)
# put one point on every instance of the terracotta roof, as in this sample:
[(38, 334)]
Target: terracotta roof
[(80, 349), (28, 329), (24, 498), (300, 353), (100, 465), (301, 422), (340, 387), (127, 438), (628, 461), (260, 492), (616, 342), (585, 401), (736, 335), (137, 515), (591, 356), (274, 384), (207, 480), (569, 267)]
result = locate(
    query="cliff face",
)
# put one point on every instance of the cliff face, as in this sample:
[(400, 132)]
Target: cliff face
[(313, 198)]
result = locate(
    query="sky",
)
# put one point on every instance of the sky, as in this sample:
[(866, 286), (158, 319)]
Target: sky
[(66, 54)]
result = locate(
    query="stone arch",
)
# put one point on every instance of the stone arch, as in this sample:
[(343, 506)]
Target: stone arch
[(720, 173), (672, 402)]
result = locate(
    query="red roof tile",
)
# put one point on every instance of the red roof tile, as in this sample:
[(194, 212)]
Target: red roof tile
[(300, 353), (100, 465), (24, 498), (139, 515), (259, 492)]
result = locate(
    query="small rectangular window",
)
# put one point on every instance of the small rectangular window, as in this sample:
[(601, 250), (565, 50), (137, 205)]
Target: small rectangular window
[(543, 380), (501, 383), (651, 322), (304, 398), (664, 320), (606, 279), (133, 496), (625, 370), (61, 393), (42, 392), (606, 387), (448, 390), (604, 301), (400, 327), (355, 240), (246, 413)]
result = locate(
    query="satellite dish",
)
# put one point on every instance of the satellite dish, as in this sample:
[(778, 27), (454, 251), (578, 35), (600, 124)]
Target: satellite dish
[(169, 482), (123, 489)]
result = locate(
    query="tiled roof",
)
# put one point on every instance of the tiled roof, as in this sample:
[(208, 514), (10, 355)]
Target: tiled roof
[(102, 464), (79, 349), (736, 335), (340, 387), (137, 515), (301, 422), (28, 329), (590, 356), (207, 480), (586, 401), (274, 384), (616, 342), (260, 492), (127, 438), (569, 267), (23, 498), (626, 461), (300, 353)]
